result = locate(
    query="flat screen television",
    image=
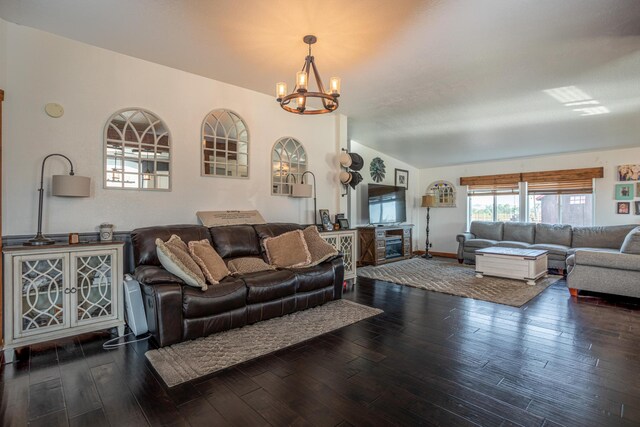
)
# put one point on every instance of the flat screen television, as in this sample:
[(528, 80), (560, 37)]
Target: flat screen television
[(387, 204)]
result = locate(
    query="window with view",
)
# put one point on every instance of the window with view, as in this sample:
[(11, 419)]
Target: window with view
[(494, 203)]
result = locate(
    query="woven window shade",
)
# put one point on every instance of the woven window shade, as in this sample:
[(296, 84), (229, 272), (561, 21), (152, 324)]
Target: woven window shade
[(489, 190), (578, 186)]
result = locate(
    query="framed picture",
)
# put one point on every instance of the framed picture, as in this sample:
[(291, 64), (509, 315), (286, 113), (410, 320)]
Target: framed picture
[(637, 207), (624, 191), (338, 216), (629, 173), (344, 223), (402, 178), (624, 208), (325, 219), (638, 189)]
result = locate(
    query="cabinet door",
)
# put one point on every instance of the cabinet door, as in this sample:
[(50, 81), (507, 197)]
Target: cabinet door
[(346, 245), (40, 294), (93, 282)]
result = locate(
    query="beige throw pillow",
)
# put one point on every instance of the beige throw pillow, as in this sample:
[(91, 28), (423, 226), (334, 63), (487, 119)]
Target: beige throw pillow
[(319, 249), (211, 264), (288, 250), (174, 257), (248, 265)]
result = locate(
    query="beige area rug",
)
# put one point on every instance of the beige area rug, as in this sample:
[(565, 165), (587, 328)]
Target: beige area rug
[(449, 277), (192, 359)]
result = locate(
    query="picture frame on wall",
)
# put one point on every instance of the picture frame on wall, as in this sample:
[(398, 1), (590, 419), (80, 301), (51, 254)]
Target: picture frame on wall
[(637, 203), (325, 219), (402, 178), (629, 173), (624, 191), (624, 208)]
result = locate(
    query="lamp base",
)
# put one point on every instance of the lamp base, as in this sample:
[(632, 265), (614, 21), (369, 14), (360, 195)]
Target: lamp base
[(39, 240), (427, 256)]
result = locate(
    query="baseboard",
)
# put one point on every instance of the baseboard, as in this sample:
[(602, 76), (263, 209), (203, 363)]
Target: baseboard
[(438, 254)]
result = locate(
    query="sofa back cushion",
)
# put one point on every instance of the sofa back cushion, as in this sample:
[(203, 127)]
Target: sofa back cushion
[(519, 232), (143, 240), (233, 241), (273, 229), (555, 234), (610, 236), (631, 244), (487, 230)]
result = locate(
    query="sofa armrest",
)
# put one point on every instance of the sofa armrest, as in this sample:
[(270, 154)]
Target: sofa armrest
[(461, 238), (613, 260), (153, 275), (163, 308), (338, 276)]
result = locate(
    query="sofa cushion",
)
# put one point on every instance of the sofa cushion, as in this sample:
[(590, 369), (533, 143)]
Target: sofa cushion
[(479, 243), (319, 249), (519, 232), (631, 244), (143, 240), (315, 277), (212, 266), (572, 251), (555, 234), (287, 250), (512, 244), (275, 229), (175, 258), (229, 294), (235, 241), (610, 236), (611, 260), (487, 230), (553, 249), (269, 285), (248, 265)]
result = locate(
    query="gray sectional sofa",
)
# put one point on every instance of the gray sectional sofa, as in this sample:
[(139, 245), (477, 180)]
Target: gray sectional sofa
[(600, 259)]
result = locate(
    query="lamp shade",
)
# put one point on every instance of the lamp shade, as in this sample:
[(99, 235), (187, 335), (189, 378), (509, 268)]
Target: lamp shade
[(301, 190), (70, 186), (428, 201)]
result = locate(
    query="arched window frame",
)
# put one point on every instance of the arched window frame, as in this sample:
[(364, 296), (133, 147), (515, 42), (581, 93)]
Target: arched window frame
[(204, 149), (111, 172), (280, 186)]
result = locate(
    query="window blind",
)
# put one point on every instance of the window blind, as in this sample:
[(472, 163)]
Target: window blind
[(576, 186), (489, 190)]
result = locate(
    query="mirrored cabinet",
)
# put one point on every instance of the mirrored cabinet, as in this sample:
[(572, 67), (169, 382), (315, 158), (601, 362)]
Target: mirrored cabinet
[(61, 290)]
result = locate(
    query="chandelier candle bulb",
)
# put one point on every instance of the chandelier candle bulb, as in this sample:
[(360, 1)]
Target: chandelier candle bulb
[(281, 90), (301, 80), (334, 84), (301, 101)]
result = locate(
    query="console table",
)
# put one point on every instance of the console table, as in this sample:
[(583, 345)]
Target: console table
[(57, 291), (345, 242), (380, 245)]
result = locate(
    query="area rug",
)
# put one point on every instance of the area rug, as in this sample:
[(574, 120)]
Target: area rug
[(192, 359), (449, 277)]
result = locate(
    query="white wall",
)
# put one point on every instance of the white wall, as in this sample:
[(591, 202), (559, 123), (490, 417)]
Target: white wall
[(447, 222), (3, 53), (91, 84), (359, 204)]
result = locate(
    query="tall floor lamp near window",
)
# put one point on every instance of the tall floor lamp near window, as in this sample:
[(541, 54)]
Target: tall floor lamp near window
[(61, 185), (428, 201)]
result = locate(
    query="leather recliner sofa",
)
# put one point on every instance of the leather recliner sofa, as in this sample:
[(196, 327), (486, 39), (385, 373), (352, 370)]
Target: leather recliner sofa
[(177, 312)]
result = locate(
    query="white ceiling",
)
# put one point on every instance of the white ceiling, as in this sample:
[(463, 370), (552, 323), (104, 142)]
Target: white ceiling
[(429, 82)]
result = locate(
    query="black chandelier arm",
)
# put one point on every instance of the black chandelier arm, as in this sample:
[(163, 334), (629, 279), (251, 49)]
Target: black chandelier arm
[(315, 198)]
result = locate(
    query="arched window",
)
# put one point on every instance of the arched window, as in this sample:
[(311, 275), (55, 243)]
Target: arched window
[(137, 148), (288, 157), (225, 145)]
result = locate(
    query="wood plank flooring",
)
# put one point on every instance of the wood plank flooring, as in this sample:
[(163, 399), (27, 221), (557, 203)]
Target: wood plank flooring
[(430, 359)]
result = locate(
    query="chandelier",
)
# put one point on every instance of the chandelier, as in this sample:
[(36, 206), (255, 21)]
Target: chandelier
[(299, 101)]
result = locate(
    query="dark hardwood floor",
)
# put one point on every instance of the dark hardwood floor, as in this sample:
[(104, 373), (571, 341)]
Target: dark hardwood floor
[(430, 359)]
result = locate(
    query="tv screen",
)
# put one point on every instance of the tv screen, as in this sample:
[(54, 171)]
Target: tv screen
[(387, 204)]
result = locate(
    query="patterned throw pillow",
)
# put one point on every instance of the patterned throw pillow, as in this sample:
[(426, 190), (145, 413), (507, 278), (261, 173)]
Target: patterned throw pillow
[(248, 265), (174, 257), (319, 249), (209, 261), (288, 250)]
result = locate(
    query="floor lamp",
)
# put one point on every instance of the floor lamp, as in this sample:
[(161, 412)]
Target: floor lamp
[(428, 201), (304, 190), (61, 185)]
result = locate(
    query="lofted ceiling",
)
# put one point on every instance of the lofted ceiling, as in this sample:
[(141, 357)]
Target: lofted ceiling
[(433, 82)]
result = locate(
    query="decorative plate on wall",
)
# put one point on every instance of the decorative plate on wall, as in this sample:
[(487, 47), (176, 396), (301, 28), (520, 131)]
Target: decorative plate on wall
[(377, 169)]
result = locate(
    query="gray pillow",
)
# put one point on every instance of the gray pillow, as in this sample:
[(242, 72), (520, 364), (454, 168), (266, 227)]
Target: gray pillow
[(631, 244)]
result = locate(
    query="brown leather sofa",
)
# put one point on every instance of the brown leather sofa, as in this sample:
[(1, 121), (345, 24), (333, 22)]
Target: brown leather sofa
[(177, 312)]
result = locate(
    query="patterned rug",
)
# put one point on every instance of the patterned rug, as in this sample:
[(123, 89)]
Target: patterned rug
[(449, 277), (192, 359)]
